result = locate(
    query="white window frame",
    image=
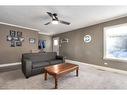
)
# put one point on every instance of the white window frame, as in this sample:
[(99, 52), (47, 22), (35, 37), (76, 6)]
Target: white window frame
[(104, 44)]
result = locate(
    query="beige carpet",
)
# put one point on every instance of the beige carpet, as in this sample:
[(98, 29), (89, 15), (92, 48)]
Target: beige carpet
[(89, 78)]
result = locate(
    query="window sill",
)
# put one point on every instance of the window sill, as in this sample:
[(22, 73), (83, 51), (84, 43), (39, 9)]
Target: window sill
[(115, 59)]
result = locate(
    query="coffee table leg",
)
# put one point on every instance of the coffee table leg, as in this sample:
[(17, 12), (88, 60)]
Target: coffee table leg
[(56, 81), (45, 75), (77, 72)]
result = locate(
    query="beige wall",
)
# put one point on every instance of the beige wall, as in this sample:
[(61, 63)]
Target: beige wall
[(13, 54), (91, 53), (48, 42)]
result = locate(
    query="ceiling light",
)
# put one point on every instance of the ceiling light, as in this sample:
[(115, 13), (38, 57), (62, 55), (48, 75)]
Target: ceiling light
[(54, 22)]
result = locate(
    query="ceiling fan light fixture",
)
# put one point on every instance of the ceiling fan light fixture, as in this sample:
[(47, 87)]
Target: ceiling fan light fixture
[(55, 22), (55, 19)]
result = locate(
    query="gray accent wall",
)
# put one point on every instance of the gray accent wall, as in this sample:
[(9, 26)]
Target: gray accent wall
[(48, 40), (91, 53), (13, 54)]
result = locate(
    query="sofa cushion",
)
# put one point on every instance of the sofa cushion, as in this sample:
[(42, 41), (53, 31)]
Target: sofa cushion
[(40, 64), (51, 55), (57, 61), (39, 57)]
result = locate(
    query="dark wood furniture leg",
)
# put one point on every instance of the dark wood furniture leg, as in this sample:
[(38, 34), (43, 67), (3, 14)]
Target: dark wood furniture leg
[(77, 72), (56, 81), (45, 75)]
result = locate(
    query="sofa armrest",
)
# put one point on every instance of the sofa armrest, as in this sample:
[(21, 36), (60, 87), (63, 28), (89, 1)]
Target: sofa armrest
[(27, 67), (61, 58)]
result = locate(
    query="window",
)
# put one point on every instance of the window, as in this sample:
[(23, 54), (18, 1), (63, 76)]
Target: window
[(55, 42), (115, 42)]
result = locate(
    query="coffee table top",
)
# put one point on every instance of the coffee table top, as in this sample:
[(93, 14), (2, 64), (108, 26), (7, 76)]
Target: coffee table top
[(60, 68)]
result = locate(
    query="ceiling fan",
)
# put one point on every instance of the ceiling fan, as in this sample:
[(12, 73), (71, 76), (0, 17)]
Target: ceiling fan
[(55, 19)]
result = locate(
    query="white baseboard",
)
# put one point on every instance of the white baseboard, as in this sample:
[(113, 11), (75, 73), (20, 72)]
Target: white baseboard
[(10, 64), (98, 67)]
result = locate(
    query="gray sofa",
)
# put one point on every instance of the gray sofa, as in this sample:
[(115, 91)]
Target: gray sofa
[(34, 63)]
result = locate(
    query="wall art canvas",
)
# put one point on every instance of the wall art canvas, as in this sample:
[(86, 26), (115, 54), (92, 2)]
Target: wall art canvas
[(18, 43), (32, 40), (12, 33), (15, 38)]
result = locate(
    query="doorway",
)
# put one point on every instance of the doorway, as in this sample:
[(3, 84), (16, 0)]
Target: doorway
[(56, 45)]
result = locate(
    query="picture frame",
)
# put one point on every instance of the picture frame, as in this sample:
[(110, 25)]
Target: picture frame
[(18, 43), (41, 44), (9, 38), (15, 38), (19, 34), (12, 33), (32, 40), (12, 43), (65, 40), (21, 39), (87, 38)]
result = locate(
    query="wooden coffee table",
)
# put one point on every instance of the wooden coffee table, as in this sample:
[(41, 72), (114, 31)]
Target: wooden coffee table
[(60, 69)]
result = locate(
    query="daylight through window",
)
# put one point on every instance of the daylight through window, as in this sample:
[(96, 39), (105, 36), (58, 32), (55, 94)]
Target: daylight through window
[(115, 42)]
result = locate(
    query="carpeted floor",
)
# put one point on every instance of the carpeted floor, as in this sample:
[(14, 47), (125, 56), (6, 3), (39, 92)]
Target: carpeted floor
[(89, 78)]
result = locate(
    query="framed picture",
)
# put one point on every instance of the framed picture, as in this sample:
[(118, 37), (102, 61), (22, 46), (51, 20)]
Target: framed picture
[(16, 38), (21, 39), (32, 40), (19, 34), (18, 43), (41, 44), (12, 43), (9, 38), (12, 33), (87, 38)]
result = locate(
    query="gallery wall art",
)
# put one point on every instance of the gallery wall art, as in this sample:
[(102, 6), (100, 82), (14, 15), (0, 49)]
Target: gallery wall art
[(15, 38)]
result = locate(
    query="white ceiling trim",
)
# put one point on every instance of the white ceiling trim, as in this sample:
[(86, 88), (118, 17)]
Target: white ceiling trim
[(18, 26), (98, 22), (44, 33)]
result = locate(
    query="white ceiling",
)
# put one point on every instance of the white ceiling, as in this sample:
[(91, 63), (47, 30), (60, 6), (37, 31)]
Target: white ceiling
[(80, 16)]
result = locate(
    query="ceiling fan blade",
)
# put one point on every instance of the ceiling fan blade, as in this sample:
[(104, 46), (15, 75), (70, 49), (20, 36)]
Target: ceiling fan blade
[(47, 23), (50, 14), (64, 22), (55, 16)]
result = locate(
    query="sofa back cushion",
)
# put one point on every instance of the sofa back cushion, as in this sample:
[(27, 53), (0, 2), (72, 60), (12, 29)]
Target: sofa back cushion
[(39, 57)]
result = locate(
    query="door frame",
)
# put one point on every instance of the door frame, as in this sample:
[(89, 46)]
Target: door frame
[(58, 52)]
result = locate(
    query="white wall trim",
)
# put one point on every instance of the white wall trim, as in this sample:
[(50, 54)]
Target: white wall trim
[(10, 64), (98, 67), (40, 32), (18, 26), (97, 22)]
